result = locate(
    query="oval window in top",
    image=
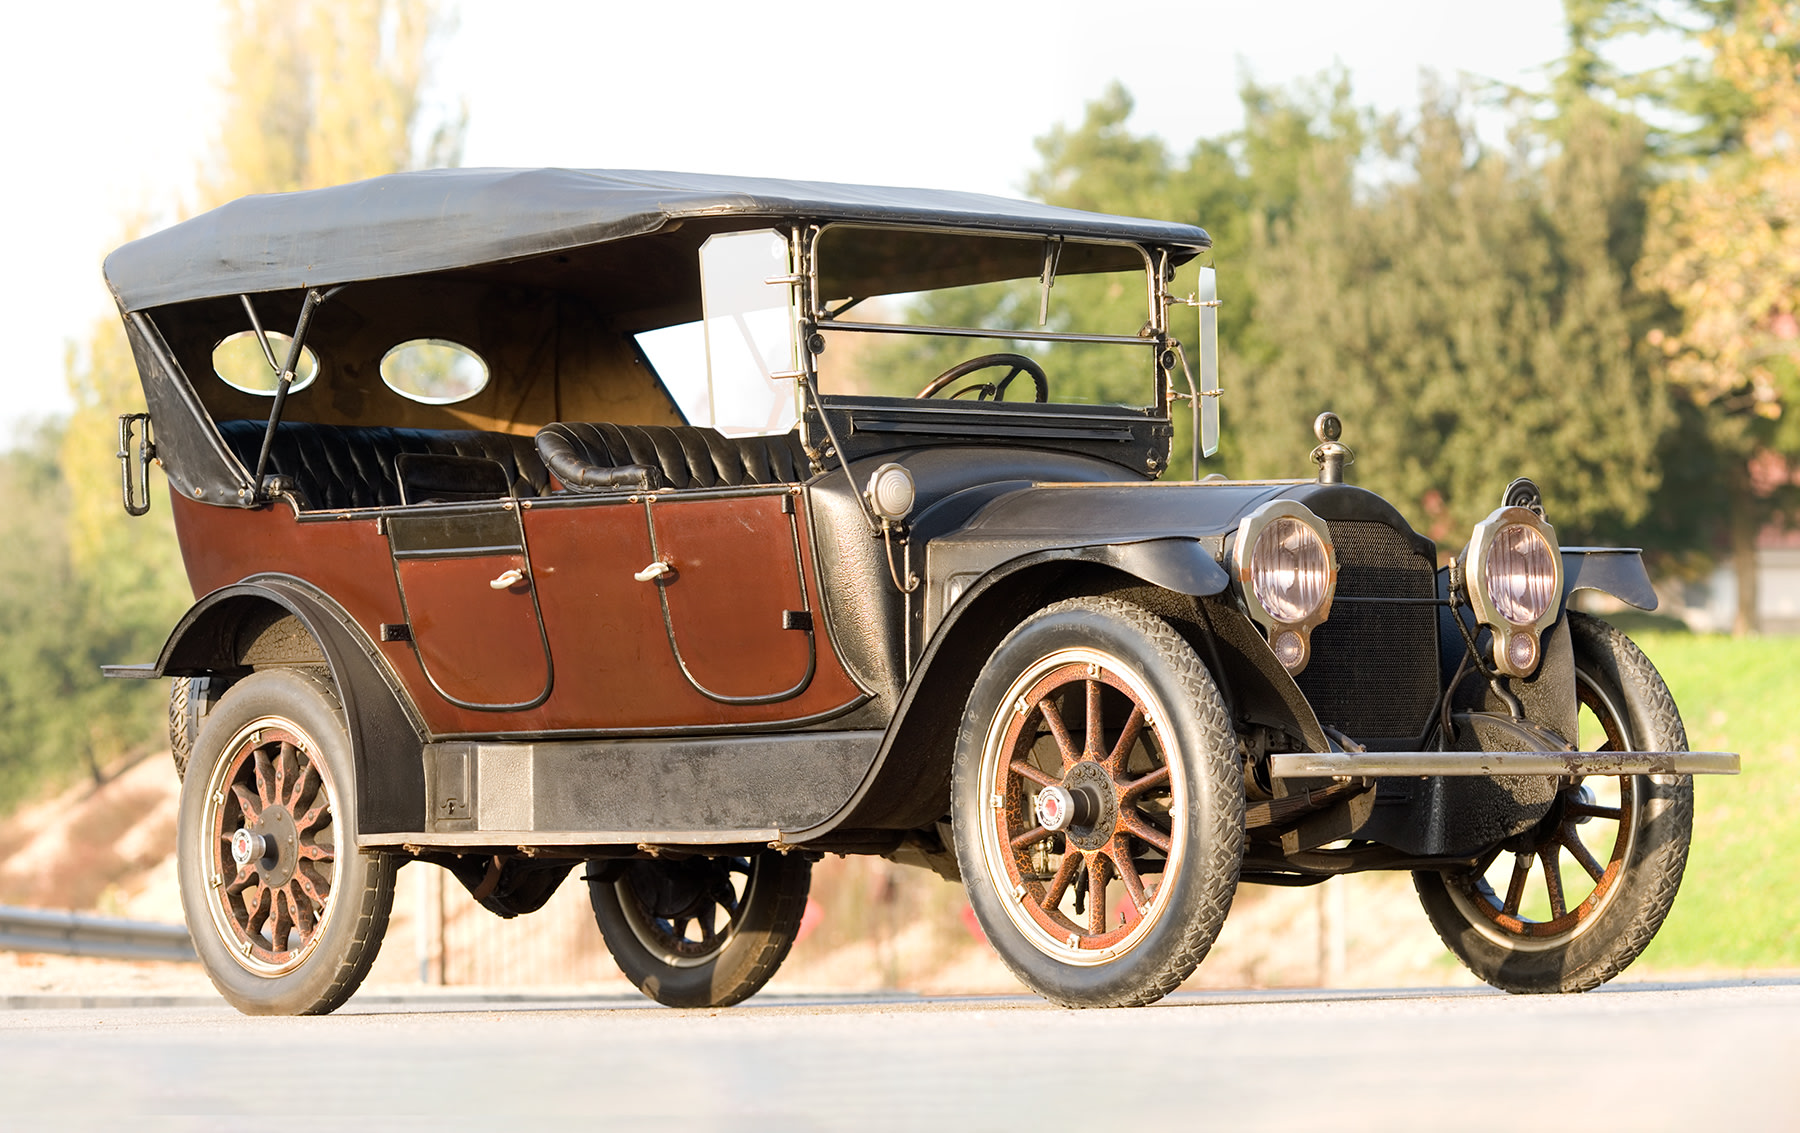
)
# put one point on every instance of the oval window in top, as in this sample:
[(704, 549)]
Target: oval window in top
[(239, 363), (434, 371)]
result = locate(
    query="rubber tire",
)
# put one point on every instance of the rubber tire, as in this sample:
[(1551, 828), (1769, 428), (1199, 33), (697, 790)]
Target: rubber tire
[(363, 897), (1621, 930), (1198, 723), (769, 923)]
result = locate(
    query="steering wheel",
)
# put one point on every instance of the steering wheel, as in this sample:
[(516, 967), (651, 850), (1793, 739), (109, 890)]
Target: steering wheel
[(991, 391)]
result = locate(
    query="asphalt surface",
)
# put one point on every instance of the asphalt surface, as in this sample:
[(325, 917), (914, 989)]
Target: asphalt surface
[(1694, 1056)]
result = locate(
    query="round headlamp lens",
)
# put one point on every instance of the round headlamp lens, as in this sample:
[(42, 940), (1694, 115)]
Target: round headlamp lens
[(1289, 570), (1520, 574)]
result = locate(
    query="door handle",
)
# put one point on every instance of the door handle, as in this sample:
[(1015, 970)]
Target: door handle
[(652, 572), (508, 579)]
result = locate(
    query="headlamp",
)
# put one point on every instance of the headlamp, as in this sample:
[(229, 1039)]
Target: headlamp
[(1286, 571)]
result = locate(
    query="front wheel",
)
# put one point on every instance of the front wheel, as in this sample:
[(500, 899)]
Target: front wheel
[(285, 912), (1572, 902), (1098, 805), (700, 932)]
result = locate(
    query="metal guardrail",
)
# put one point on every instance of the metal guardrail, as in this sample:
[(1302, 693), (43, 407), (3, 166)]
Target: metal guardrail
[(70, 933)]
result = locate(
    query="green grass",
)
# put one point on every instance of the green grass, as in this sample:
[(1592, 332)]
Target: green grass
[(1739, 906)]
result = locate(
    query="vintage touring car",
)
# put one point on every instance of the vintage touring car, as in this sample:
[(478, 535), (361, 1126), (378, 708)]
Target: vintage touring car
[(683, 529)]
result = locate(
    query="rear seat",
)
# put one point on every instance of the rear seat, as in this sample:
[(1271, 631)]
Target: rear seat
[(348, 466), (587, 456)]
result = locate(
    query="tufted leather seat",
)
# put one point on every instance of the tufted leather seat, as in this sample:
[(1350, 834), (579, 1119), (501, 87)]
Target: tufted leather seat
[(679, 456), (345, 466)]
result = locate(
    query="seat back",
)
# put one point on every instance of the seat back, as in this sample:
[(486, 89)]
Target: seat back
[(682, 456), (348, 466)]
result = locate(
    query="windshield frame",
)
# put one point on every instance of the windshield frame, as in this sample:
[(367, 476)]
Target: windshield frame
[(814, 317)]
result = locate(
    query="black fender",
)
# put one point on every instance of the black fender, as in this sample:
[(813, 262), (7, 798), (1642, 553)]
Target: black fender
[(1618, 571), (238, 627), (907, 785)]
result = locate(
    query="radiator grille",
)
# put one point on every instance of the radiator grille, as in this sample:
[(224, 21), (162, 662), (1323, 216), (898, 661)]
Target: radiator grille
[(1374, 668)]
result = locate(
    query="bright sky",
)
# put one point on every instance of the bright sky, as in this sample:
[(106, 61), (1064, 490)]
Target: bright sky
[(109, 105)]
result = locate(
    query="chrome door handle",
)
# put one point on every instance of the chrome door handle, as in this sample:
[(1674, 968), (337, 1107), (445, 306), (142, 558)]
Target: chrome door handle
[(652, 572), (508, 579)]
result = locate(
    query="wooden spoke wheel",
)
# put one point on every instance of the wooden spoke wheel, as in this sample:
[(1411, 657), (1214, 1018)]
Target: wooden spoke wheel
[(272, 843), (1086, 821), (1098, 804), (285, 912), (1568, 904)]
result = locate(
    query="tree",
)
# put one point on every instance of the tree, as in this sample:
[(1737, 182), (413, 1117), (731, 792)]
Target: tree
[(1726, 248), (1471, 322), (316, 92)]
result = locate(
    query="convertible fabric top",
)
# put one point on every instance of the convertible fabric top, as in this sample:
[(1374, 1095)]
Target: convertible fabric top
[(442, 219)]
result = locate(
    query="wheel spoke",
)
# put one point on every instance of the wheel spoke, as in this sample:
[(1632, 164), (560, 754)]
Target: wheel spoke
[(318, 889), (247, 802), (265, 777), (259, 911), (1127, 871), (1135, 823), (1096, 894), (1515, 889), (1144, 783), (1095, 733), (1064, 742), (311, 818), (1579, 851), (1590, 810), (313, 852), (1041, 778), (287, 757), (283, 922), (307, 782), (1121, 752), (1065, 874), (1035, 834), (1549, 855), (245, 875)]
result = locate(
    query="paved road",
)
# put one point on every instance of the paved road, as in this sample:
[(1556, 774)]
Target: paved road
[(1637, 1057)]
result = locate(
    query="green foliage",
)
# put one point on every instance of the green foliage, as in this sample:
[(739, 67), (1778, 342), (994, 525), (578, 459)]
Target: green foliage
[(1471, 323), (58, 624)]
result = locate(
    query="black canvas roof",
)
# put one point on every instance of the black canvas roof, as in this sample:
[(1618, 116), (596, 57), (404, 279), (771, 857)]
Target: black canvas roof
[(442, 219)]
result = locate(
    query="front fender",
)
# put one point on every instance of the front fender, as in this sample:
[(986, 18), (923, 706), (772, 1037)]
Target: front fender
[(1618, 571)]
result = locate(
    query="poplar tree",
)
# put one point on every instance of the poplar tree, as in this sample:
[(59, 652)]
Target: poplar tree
[(316, 92)]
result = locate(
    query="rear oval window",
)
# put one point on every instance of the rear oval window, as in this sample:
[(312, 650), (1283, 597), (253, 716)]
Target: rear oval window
[(240, 363), (434, 371)]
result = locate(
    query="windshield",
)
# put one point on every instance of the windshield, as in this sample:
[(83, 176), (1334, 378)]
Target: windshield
[(901, 308)]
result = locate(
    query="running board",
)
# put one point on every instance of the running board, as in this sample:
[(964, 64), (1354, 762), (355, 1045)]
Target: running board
[(1308, 765)]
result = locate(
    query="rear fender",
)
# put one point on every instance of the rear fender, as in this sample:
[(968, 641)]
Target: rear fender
[(271, 620)]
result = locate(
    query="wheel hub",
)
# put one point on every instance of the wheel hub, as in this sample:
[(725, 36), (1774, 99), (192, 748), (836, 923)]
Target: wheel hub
[(1093, 811)]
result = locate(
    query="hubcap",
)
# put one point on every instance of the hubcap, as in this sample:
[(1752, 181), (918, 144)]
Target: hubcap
[(271, 846), (1082, 829)]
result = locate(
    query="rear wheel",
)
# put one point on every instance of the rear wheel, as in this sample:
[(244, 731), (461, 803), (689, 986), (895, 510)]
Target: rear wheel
[(1098, 804), (700, 932), (1571, 903), (285, 912)]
